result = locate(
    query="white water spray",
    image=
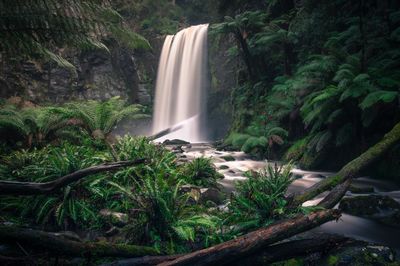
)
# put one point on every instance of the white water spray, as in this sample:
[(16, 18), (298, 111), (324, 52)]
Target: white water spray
[(181, 85)]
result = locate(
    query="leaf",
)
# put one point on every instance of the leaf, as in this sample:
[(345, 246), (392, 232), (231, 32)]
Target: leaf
[(378, 96)]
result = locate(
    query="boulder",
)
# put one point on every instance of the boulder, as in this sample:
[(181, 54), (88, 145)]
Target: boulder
[(223, 167), (361, 190), (228, 158), (380, 208), (116, 218), (360, 254), (211, 194), (175, 142)]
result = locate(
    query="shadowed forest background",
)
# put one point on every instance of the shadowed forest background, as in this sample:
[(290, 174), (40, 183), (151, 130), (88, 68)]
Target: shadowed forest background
[(302, 99)]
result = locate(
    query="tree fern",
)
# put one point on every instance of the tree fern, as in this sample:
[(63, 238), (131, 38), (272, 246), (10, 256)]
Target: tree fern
[(33, 28), (379, 96)]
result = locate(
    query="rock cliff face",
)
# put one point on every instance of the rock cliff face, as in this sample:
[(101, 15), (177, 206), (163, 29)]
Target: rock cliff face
[(100, 75), (223, 79)]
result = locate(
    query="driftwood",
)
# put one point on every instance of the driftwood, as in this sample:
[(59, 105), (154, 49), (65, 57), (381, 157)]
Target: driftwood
[(255, 241), (54, 244), (29, 188), (352, 168)]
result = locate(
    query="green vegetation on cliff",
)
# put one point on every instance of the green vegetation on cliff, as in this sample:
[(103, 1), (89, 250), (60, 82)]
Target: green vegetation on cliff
[(327, 73)]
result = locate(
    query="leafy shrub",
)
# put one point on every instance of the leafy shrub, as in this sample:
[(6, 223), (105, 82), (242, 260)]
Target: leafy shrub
[(200, 172), (76, 204), (100, 118), (260, 140), (162, 215), (260, 200)]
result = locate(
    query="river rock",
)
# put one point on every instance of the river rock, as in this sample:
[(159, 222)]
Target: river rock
[(175, 142), (223, 167), (381, 208), (360, 254), (178, 149), (228, 158), (211, 194), (361, 190)]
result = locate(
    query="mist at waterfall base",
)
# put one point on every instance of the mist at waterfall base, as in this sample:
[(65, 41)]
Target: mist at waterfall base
[(181, 86)]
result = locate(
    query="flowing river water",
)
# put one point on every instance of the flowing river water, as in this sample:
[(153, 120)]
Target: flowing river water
[(348, 225)]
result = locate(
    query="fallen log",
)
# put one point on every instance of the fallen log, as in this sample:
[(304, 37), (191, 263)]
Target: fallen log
[(143, 261), (56, 245), (352, 168), (295, 249), (274, 253), (335, 195), (255, 241), (164, 132), (30, 188)]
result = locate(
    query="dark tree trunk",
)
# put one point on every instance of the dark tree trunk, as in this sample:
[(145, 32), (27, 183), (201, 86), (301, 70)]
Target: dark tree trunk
[(29, 188), (55, 244), (255, 241), (247, 57)]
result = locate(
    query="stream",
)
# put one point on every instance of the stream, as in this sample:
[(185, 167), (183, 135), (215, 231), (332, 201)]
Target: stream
[(348, 225)]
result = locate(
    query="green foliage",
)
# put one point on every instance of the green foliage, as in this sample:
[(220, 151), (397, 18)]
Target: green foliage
[(100, 118), (35, 126), (260, 200), (40, 125), (200, 172), (262, 137), (161, 212), (153, 16), (34, 28), (76, 204), (331, 78)]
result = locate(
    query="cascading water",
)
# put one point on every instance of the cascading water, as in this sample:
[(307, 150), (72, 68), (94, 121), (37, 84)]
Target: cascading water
[(181, 85)]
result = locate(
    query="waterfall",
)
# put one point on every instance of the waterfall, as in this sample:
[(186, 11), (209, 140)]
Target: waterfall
[(181, 85)]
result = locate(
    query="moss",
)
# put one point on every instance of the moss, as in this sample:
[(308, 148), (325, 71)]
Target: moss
[(297, 150), (291, 262), (369, 258), (332, 260), (228, 158)]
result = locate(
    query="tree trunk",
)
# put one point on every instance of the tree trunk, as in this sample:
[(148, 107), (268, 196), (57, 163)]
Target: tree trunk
[(294, 249), (247, 57), (57, 245), (29, 188), (143, 261), (352, 168), (278, 252), (335, 195), (255, 241)]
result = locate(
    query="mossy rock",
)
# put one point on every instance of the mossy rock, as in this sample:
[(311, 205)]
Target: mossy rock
[(383, 209), (175, 142), (361, 190), (228, 158), (361, 255)]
